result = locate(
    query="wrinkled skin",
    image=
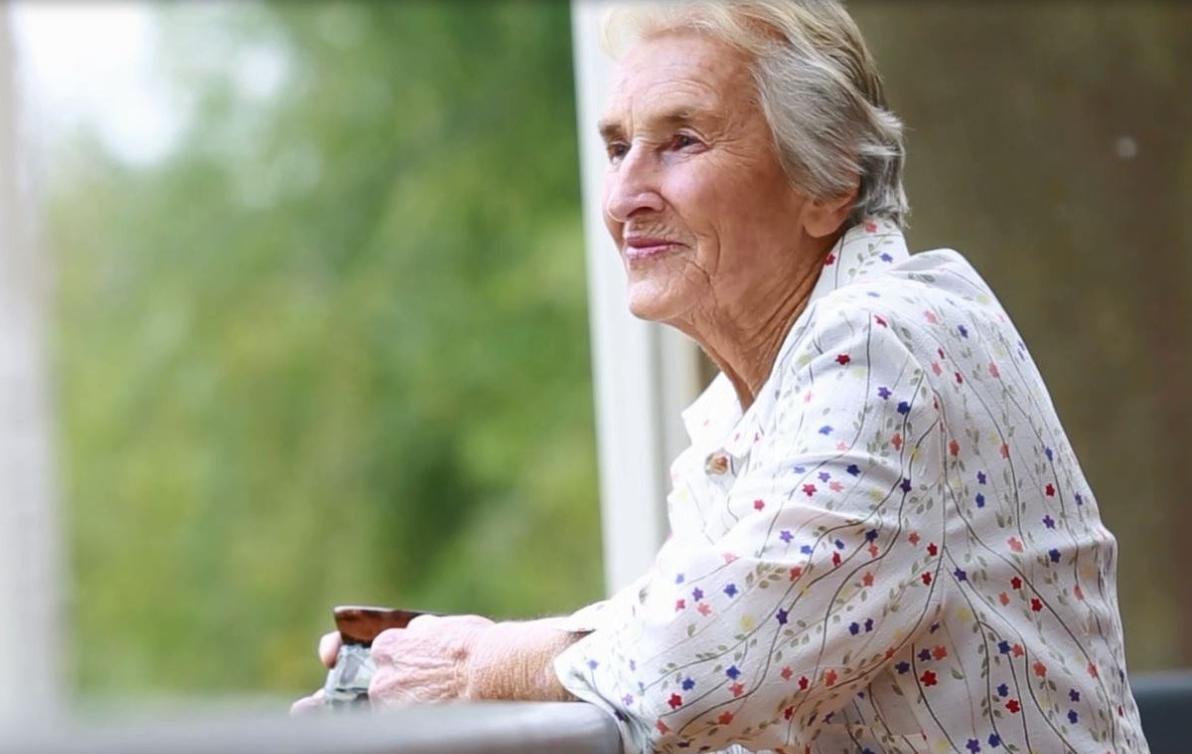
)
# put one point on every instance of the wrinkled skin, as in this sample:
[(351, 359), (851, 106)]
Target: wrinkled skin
[(428, 661), (692, 164)]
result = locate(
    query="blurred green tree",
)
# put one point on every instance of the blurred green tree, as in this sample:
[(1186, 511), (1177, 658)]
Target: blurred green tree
[(333, 348)]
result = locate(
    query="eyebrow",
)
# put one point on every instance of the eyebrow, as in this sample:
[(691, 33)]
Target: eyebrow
[(610, 128)]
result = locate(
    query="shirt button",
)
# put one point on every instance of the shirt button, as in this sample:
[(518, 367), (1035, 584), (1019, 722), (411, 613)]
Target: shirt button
[(717, 463)]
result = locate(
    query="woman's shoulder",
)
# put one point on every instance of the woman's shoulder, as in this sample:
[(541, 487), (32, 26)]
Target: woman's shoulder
[(928, 303)]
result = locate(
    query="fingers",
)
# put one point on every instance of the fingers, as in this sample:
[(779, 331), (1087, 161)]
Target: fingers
[(307, 705), (383, 647), (421, 621), (329, 648)]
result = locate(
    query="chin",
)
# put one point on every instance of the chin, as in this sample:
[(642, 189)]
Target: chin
[(651, 303)]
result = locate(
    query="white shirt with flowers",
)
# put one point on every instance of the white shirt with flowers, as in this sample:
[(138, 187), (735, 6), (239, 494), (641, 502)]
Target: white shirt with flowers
[(892, 550)]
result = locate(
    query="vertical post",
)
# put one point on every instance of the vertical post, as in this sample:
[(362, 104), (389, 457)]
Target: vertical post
[(643, 374), (29, 579)]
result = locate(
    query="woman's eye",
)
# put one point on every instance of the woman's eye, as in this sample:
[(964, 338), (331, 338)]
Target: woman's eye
[(683, 141), (616, 150)]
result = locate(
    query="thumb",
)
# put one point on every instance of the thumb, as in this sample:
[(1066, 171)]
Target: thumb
[(329, 648)]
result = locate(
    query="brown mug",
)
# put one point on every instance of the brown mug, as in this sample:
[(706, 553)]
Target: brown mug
[(347, 682)]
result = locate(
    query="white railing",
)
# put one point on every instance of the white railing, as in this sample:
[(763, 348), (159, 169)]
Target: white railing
[(496, 728)]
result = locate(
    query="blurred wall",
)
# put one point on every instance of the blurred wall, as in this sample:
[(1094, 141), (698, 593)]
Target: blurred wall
[(1052, 144)]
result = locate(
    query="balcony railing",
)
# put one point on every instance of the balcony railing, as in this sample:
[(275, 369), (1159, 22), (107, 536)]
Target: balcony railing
[(1165, 700), (499, 728)]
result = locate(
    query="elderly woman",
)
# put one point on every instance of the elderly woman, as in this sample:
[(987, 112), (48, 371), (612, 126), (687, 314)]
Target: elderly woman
[(882, 540)]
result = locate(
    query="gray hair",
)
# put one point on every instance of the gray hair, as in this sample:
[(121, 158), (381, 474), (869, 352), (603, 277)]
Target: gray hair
[(817, 84)]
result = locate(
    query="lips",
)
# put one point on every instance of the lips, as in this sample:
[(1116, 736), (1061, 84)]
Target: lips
[(646, 247)]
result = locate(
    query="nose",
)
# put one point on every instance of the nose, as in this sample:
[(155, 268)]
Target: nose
[(631, 187)]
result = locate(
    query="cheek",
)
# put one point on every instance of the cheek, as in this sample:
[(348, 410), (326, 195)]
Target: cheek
[(712, 199)]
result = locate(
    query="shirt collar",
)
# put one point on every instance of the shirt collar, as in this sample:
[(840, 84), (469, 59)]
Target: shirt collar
[(873, 245)]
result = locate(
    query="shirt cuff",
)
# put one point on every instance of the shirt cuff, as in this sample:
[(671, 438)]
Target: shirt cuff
[(587, 671)]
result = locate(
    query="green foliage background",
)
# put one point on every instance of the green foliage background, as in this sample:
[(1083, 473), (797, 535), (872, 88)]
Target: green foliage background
[(333, 349)]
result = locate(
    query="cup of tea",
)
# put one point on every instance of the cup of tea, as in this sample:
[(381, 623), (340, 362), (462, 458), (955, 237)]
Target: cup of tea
[(347, 682)]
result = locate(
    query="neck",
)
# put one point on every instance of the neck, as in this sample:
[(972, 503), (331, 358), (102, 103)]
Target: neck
[(744, 341)]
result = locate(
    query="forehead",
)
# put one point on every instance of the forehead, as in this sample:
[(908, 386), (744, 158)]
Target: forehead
[(678, 70)]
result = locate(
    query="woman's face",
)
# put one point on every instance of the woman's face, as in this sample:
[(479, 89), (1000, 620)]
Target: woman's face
[(694, 196)]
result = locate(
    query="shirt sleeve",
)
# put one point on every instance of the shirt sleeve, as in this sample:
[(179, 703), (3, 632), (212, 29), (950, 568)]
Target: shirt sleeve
[(827, 565)]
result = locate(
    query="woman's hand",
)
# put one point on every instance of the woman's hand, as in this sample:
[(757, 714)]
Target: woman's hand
[(428, 661), (464, 657)]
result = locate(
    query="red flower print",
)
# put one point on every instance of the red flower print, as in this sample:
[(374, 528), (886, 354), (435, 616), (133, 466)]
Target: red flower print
[(786, 673), (1076, 590), (661, 726), (803, 683), (809, 489), (873, 551), (704, 609), (796, 572), (759, 504), (1016, 650), (1016, 582), (928, 678), (1004, 450), (879, 320), (993, 372), (933, 549), (870, 226), (788, 713), (829, 260), (1093, 670), (935, 367), (680, 604), (728, 557), (737, 688), (926, 578), (675, 701), (1040, 669), (897, 441), (725, 718), (1050, 490), (1036, 604), (1015, 545), (939, 652), (959, 378), (1013, 706), (830, 677), (835, 486), (843, 359), (930, 316), (913, 538), (1003, 598), (954, 448), (867, 579), (835, 558)]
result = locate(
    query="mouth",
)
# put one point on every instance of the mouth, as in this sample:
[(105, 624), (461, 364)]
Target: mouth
[(641, 249)]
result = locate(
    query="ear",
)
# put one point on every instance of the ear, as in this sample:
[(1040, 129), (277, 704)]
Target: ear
[(823, 217)]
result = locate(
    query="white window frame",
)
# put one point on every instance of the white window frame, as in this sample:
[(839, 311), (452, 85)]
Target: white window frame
[(30, 578), (644, 374)]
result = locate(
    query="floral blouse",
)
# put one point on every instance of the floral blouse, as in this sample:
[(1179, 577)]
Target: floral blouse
[(892, 550)]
